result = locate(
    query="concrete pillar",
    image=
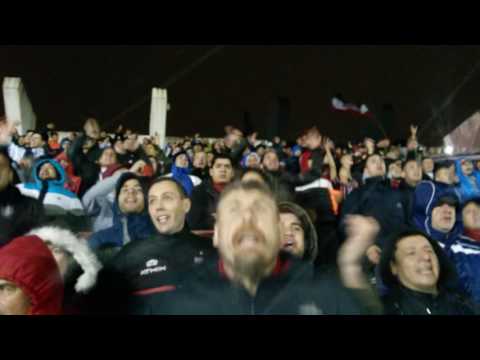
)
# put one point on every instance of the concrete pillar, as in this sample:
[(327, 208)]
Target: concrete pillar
[(158, 115), (17, 104)]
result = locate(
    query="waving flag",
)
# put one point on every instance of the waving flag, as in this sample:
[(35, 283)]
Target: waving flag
[(340, 105)]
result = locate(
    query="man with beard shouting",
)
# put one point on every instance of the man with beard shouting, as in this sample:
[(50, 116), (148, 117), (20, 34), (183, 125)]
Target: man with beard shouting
[(250, 276)]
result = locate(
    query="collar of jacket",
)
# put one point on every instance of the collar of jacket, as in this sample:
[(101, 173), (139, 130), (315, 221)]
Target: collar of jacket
[(281, 267), (178, 236), (376, 180), (473, 234)]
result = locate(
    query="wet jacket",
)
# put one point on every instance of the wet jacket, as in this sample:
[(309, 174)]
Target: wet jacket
[(28, 262)]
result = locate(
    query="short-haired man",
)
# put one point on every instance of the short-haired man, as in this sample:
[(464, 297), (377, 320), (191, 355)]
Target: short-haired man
[(205, 196)]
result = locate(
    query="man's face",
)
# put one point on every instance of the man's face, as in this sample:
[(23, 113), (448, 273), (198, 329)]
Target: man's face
[(47, 172), (6, 172), (347, 160), (167, 208), (222, 171), (119, 147), (416, 264), (446, 175), (36, 141), (260, 151), (271, 162), (28, 137), (467, 167), (130, 198), (181, 161), (375, 166), (247, 232), (150, 150), (395, 170), (253, 162), (293, 235), (210, 157), (443, 218), (108, 157), (471, 216), (13, 300), (412, 173), (200, 160), (131, 144)]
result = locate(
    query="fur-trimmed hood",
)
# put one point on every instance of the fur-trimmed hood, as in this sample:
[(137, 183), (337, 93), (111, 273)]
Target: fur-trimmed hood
[(78, 248)]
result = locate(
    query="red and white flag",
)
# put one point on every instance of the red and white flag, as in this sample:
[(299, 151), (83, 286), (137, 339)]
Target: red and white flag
[(339, 105)]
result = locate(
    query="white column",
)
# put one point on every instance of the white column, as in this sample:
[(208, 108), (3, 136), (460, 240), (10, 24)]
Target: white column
[(158, 114), (17, 104)]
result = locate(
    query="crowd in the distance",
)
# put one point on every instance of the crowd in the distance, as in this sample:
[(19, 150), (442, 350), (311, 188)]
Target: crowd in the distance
[(98, 223)]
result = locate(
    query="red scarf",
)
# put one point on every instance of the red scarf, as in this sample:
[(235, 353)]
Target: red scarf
[(219, 187), (473, 234)]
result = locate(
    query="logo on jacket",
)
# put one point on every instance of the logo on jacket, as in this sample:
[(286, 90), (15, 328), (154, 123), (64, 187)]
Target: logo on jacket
[(152, 263), (152, 267)]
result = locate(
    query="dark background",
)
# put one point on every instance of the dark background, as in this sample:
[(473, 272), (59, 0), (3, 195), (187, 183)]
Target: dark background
[(209, 87)]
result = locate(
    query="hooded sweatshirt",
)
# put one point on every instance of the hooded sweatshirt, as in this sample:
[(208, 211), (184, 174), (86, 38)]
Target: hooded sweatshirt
[(469, 186), (126, 227), (27, 262), (56, 199)]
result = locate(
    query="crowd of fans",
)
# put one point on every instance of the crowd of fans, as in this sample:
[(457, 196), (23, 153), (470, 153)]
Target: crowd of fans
[(98, 223)]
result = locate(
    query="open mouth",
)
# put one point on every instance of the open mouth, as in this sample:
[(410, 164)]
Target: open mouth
[(288, 245), (163, 219)]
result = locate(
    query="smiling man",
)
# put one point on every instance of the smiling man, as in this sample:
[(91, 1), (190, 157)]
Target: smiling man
[(131, 221), (420, 277), (147, 268)]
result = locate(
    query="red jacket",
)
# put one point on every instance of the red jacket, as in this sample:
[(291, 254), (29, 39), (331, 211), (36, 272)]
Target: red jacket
[(28, 262)]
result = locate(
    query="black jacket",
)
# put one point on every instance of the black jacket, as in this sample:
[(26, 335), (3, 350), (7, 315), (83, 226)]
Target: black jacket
[(85, 164), (18, 214), (407, 193), (283, 183), (377, 199), (146, 267), (403, 301), (204, 204), (290, 290)]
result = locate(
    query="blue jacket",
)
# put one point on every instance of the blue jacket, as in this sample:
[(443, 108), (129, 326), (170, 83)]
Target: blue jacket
[(465, 188), (138, 226), (427, 193), (56, 199), (465, 253)]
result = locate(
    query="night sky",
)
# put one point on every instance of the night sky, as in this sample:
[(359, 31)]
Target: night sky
[(65, 83)]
